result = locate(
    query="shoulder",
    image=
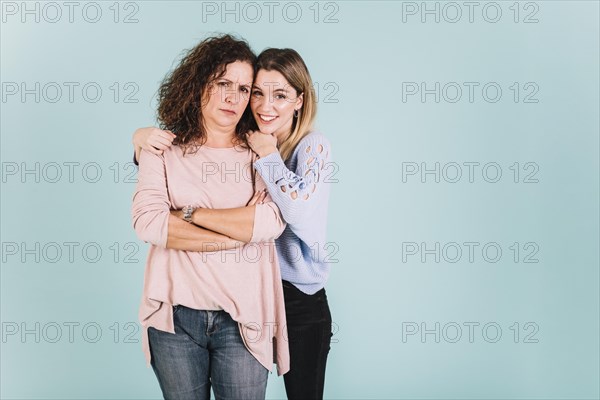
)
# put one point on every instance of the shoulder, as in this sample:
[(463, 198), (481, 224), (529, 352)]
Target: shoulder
[(175, 152), (148, 157), (315, 137), (170, 156)]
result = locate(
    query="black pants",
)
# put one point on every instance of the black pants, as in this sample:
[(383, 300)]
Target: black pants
[(309, 335)]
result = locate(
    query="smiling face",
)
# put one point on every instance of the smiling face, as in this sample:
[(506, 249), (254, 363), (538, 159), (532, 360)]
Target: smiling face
[(227, 97), (273, 103)]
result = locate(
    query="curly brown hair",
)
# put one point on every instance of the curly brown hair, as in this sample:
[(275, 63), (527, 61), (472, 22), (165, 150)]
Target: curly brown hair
[(182, 91)]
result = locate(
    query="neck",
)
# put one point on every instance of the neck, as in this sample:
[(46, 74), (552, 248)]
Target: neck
[(282, 136), (220, 137)]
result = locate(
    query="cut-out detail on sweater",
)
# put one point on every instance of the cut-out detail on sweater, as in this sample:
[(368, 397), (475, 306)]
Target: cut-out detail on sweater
[(305, 184)]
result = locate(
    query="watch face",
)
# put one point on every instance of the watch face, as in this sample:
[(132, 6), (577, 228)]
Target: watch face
[(187, 213)]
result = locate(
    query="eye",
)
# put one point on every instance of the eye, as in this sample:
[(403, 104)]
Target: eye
[(244, 89), (223, 84), (280, 96), (256, 93)]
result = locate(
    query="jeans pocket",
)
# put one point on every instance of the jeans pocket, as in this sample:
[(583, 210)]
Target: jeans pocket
[(176, 308)]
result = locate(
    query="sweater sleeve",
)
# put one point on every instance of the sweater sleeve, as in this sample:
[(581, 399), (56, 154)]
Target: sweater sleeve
[(297, 193), (151, 205)]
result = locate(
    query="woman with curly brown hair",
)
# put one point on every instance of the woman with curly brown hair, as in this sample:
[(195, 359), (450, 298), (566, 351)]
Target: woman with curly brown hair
[(212, 306)]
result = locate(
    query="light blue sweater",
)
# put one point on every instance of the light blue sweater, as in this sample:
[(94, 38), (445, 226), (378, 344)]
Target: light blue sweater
[(300, 187)]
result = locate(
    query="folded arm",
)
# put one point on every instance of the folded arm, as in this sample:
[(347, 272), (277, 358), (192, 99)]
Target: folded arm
[(152, 219), (185, 236), (257, 222), (237, 223)]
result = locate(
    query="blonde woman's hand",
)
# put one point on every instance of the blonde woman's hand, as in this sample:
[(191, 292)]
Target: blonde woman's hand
[(153, 139), (258, 197), (262, 144)]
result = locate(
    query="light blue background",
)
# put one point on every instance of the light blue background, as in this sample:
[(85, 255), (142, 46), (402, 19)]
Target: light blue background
[(364, 58)]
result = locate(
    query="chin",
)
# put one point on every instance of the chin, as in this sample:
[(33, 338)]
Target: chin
[(226, 124), (267, 129)]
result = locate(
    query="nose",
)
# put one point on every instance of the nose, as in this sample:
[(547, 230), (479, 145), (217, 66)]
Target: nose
[(262, 105), (232, 95)]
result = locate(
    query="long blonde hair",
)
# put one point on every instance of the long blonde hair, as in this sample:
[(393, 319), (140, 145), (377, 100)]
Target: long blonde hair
[(289, 64)]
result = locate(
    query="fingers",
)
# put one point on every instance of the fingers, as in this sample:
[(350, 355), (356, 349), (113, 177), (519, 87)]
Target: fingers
[(153, 147), (161, 137), (254, 198), (258, 197), (166, 135), (252, 133), (160, 143), (154, 150), (262, 196)]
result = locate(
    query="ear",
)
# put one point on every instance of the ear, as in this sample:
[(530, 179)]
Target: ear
[(299, 101)]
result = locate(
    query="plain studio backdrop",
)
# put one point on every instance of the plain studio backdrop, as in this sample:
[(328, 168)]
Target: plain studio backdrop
[(463, 222)]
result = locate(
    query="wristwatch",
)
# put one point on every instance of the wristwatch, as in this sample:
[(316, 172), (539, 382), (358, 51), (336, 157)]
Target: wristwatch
[(187, 213)]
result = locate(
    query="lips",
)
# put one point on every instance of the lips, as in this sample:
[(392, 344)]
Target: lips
[(226, 111), (267, 118)]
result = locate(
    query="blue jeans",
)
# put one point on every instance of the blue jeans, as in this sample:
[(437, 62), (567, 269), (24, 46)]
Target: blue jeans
[(206, 350)]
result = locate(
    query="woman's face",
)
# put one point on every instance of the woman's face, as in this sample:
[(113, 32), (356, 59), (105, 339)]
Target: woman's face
[(227, 97), (273, 103)]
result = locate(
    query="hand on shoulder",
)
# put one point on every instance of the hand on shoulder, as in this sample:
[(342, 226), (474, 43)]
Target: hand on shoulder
[(153, 139)]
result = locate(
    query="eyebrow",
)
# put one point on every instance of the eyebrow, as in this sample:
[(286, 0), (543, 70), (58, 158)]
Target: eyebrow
[(227, 80), (274, 91)]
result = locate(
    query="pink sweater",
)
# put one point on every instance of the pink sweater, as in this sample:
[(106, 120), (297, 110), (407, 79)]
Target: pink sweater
[(245, 282)]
